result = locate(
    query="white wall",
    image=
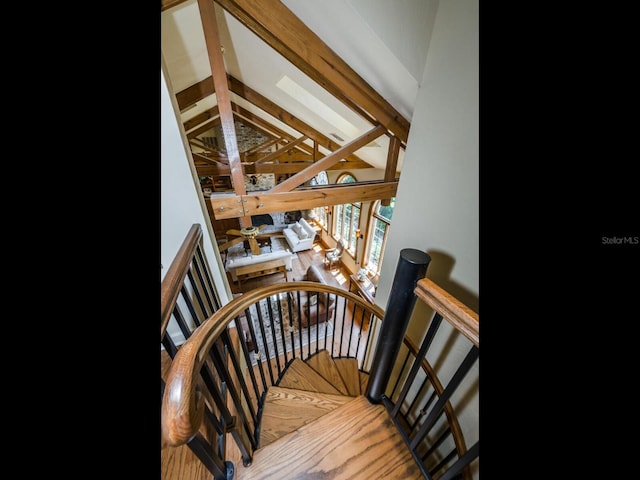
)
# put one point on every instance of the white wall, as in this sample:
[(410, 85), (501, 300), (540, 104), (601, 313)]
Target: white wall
[(404, 26), (437, 201), (181, 202)]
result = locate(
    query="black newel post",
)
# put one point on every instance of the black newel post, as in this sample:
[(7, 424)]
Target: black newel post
[(412, 266)]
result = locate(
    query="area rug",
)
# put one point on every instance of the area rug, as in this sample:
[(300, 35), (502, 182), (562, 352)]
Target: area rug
[(278, 244), (271, 312)]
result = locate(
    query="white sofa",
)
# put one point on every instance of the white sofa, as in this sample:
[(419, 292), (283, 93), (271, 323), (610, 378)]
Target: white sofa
[(237, 257), (299, 235)]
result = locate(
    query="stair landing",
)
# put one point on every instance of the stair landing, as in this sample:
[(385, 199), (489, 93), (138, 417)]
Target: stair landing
[(356, 441)]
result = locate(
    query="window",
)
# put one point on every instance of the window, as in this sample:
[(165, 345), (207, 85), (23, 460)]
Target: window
[(347, 218), (381, 221), (321, 214)]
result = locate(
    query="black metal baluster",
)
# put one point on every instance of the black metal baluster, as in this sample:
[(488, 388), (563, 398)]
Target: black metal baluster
[(265, 345), (462, 462), (213, 463), (426, 343), (214, 300), (256, 352), (274, 338), (342, 324), (400, 375), (299, 308), (247, 357), (226, 377), (282, 328), (457, 378), (197, 317), (291, 325), (238, 369), (412, 406)]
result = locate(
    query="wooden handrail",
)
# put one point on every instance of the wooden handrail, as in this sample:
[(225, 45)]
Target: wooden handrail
[(461, 317), (183, 403), (176, 274)]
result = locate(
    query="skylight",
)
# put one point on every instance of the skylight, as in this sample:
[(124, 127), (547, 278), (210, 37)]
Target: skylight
[(312, 103)]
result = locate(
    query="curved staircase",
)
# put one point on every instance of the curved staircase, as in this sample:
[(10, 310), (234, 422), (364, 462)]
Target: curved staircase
[(316, 423), (284, 407)]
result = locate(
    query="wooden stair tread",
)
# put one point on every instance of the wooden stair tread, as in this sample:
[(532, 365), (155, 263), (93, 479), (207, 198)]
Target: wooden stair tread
[(322, 363), (348, 370), (287, 409), (301, 376), (356, 441)]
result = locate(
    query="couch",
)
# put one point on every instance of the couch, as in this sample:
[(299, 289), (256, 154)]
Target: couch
[(238, 257), (300, 235), (325, 303)]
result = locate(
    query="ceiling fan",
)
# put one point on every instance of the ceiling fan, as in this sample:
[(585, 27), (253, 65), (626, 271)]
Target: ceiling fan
[(249, 234)]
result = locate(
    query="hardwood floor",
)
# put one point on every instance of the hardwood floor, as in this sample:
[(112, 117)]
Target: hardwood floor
[(336, 276)]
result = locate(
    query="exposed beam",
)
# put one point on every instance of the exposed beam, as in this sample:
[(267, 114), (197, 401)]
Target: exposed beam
[(275, 168), (216, 61), (279, 28), (167, 4), (257, 122), (281, 151), (203, 128), (205, 87), (266, 144), (213, 112), (275, 111), (326, 162), (210, 161), (392, 162), (255, 203)]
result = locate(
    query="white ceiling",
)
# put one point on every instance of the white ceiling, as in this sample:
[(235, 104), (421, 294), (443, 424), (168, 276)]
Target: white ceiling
[(385, 45)]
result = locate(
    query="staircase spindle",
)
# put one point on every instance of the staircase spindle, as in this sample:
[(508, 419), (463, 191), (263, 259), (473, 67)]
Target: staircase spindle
[(451, 387), (426, 343)]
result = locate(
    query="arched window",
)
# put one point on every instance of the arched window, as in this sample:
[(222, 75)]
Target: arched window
[(381, 221), (347, 219)]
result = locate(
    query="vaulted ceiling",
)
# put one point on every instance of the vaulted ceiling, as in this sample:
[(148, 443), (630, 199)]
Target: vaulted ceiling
[(260, 92)]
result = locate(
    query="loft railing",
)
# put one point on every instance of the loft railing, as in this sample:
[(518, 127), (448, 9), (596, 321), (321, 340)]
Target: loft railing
[(219, 376)]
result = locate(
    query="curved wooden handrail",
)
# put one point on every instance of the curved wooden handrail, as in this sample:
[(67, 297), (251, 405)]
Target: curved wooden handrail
[(173, 280), (183, 404), (461, 317), (452, 419)]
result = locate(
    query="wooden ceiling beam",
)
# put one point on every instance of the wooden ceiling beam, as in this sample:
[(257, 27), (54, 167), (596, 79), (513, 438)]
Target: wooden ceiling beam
[(281, 151), (279, 28), (324, 163), (203, 128), (392, 163), (213, 112), (211, 161), (256, 203), (216, 61), (257, 121), (275, 168), (200, 144), (205, 87), (264, 145)]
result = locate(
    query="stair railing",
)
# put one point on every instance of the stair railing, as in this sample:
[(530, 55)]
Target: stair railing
[(218, 378), (419, 403), (269, 336), (188, 297)]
